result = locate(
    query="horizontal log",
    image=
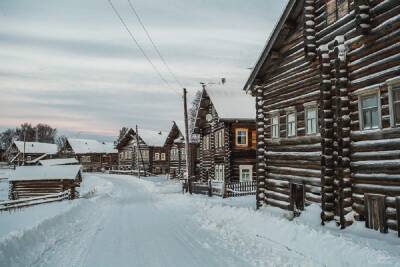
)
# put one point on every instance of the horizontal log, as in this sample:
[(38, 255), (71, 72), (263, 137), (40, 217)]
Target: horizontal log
[(295, 178), (378, 189), (278, 204), (381, 134)]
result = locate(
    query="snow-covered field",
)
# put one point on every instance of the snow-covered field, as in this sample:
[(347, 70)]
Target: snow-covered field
[(123, 221)]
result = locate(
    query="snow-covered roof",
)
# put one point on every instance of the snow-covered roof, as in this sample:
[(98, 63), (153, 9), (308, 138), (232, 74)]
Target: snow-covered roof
[(153, 138), (87, 146), (36, 147), (29, 173), (231, 103), (54, 162)]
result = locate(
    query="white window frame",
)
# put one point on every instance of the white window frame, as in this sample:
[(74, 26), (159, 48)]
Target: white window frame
[(245, 167), (219, 170), (393, 85), (206, 142), (163, 156), (366, 93), (156, 156), (308, 106), (290, 111), (237, 130), (275, 115)]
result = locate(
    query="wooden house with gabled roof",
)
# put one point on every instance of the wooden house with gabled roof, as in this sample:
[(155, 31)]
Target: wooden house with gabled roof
[(327, 88), (151, 151), (93, 155), (21, 152), (176, 152), (226, 125)]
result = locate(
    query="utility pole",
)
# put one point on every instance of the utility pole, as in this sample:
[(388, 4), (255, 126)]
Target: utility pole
[(187, 147), (23, 155), (137, 152)]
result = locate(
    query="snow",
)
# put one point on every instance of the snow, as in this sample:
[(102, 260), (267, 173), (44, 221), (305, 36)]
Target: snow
[(36, 147), (152, 137), (52, 162), (57, 172), (86, 146), (125, 221), (231, 103)]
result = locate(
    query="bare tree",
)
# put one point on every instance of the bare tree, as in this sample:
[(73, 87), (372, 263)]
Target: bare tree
[(6, 138), (45, 133)]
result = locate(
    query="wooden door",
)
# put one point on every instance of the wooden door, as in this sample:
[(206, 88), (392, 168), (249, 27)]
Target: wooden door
[(297, 198), (375, 210)]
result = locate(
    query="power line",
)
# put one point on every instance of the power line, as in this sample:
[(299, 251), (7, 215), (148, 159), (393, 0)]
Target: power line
[(140, 48), (153, 43)]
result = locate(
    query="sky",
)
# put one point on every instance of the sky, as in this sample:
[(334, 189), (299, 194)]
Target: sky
[(72, 64)]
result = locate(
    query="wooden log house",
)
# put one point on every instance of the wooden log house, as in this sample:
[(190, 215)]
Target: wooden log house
[(151, 151), (36, 181), (30, 152), (176, 152), (226, 125), (91, 154), (327, 87)]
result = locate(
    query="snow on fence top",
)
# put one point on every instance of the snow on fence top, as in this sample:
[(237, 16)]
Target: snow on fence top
[(59, 172), (36, 147), (231, 103), (54, 162), (153, 138), (87, 146)]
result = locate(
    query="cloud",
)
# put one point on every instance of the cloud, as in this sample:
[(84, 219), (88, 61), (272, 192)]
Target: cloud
[(71, 63)]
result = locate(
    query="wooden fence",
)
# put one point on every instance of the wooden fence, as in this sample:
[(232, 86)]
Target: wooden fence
[(241, 189), (25, 202), (222, 189)]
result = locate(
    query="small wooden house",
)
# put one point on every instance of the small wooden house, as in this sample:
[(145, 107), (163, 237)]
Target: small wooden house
[(30, 152), (327, 88), (176, 152), (151, 151), (34, 181), (91, 154), (226, 125)]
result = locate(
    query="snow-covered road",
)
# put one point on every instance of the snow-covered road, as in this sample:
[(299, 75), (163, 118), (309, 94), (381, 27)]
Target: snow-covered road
[(131, 222)]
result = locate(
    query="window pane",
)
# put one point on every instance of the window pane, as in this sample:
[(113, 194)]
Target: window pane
[(396, 95), (396, 110), (374, 118), (311, 113), (370, 101), (291, 117), (367, 119)]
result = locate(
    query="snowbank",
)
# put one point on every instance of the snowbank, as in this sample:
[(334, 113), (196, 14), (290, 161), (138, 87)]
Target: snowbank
[(34, 229)]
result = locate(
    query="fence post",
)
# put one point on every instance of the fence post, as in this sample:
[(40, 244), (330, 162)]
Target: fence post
[(209, 188)]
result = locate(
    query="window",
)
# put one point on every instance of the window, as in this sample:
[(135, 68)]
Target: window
[(246, 173), (156, 156), (241, 137), (174, 154), (253, 139), (394, 106), (85, 159), (121, 155), (291, 123), (126, 155), (219, 172), (219, 138), (206, 142), (130, 154), (311, 114), (336, 9), (162, 156), (369, 112), (183, 154), (275, 126)]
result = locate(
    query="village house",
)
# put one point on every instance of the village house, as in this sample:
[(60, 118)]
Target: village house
[(151, 155), (36, 181), (91, 154), (21, 152), (176, 152), (226, 125), (327, 88)]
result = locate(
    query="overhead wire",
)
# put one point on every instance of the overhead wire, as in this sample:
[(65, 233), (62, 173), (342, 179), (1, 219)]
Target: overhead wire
[(140, 48), (154, 44)]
